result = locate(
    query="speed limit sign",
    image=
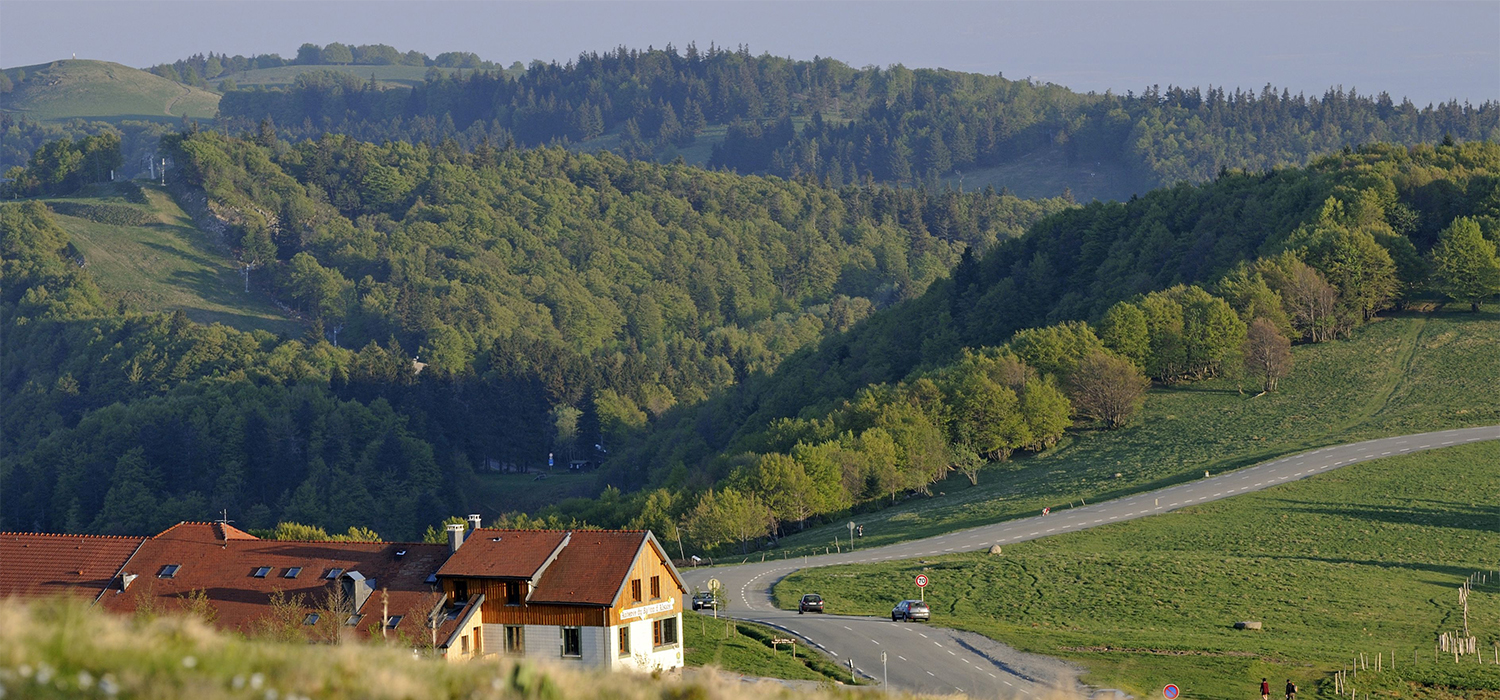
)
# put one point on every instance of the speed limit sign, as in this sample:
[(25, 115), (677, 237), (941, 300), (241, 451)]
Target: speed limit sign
[(921, 580)]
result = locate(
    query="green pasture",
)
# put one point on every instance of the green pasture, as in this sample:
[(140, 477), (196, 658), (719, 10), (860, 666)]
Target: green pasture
[(1366, 560), (167, 263), (80, 89), (1410, 372)]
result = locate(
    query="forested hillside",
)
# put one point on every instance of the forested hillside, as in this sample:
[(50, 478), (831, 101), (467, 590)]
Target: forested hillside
[(504, 305), (1303, 254), (827, 119)]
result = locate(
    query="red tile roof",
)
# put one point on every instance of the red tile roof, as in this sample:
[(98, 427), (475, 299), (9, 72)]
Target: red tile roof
[(495, 553), (36, 564), (221, 562), (592, 569)]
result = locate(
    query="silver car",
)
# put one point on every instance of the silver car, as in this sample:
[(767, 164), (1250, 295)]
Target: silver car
[(911, 610)]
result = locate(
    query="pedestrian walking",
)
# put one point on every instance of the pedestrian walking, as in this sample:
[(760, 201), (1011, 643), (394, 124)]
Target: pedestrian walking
[(1046, 511), (1291, 690), (860, 530), (1265, 689)]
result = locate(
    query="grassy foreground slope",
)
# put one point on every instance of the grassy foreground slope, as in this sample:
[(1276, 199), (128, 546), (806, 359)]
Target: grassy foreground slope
[(1407, 373), (148, 253), (66, 650), (80, 89), (1366, 559), (746, 649)]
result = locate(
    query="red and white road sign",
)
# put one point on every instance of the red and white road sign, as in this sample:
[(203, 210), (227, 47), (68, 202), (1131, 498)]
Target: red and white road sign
[(921, 580)]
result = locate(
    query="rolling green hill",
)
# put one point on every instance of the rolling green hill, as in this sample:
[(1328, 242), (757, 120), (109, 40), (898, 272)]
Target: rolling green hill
[(1411, 372), (1366, 559), (148, 253), (81, 89)]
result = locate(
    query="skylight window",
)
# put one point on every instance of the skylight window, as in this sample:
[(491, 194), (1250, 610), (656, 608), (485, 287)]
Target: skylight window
[(169, 571), (261, 571), (333, 574), (311, 619), (354, 619), (292, 572), (392, 621)]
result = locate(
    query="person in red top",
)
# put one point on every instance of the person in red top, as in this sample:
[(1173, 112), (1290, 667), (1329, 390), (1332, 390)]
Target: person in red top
[(1265, 689)]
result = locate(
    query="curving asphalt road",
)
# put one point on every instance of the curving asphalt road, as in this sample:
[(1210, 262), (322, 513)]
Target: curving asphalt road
[(926, 659)]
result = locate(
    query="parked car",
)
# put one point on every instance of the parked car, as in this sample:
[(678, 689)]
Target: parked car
[(911, 610), (811, 602), (705, 599)]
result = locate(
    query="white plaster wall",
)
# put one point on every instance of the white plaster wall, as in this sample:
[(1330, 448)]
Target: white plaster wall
[(643, 656)]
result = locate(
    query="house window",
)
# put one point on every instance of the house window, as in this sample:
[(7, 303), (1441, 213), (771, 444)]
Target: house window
[(664, 632), (261, 571), (460, 591), (392, 621), (292, 572), (333, 574), (512, 592), (624, 640), (168, 571), (572, 642), (464, 644), (635, 589), (655, 587), (515, 639), (311, 619)]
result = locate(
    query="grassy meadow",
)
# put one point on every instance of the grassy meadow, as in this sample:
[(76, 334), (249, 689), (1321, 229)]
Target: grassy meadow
[(1410, 372), (80, 89), (746, 649), (1047, 172), (282, 76), (147, 252), (65, 649), (1366, 559)]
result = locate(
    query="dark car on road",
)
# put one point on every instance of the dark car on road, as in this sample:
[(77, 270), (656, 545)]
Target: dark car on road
[(704, 600), (811, 602), (911, 610)]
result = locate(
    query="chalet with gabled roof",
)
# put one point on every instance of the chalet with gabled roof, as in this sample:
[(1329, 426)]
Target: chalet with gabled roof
[(603, 598)]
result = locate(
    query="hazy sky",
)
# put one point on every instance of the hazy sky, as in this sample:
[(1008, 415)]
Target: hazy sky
[(1428, 51)]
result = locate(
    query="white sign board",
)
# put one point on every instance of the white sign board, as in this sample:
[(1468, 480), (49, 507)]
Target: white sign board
[(646, 610)]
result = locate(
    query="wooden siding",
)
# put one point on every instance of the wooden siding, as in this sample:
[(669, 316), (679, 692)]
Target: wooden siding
[(496, 612), (648, 564)]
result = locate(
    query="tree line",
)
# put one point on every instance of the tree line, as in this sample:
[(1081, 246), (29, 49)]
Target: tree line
[(834, 122), (199, 69)]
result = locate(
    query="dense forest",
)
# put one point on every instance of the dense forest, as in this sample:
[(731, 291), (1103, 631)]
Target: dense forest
[(837, 123), (464, 311), (721, 343), (1302, 254)]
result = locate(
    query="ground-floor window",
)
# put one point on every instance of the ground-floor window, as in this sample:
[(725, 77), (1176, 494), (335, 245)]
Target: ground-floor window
[(624, 640), (572, 641), (515, 640), (664, 632)]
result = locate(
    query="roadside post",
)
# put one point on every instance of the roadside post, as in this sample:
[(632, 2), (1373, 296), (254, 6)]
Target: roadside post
[(852, 679), (885, 674), (922, 586), (851, 535)]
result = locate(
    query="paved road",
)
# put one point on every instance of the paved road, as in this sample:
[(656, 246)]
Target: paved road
[(930, 659)]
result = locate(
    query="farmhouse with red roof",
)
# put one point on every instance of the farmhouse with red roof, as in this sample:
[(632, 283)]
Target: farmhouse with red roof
[(601, 598)]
